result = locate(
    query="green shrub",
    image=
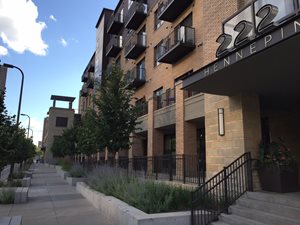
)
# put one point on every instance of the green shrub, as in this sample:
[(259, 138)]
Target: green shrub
[(7, 196), (148, 196), (65, 164), (11, 183), (18, 175), (77, 171)]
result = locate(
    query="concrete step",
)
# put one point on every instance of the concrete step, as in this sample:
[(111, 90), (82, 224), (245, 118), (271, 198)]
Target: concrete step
[(288, 199), (262, 217), (278, 209), (237, 220)]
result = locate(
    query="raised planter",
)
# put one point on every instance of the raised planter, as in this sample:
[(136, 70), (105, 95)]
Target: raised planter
[(121, 213), (26, 182), (61, 172), (279, 179), (21, 194), (73, 180)]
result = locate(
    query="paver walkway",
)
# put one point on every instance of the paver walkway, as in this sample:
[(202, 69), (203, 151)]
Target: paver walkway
[(54, 202)]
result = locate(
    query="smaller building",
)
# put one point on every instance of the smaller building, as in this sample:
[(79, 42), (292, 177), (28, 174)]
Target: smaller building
[(3, 73), (57, 121)]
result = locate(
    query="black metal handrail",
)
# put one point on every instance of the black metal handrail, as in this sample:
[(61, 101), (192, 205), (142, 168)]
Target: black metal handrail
[(115, 41), (135, 74), (222, 190), (117, 17), (136, 7), (181, 35), (164, 100), (142, 108), (135, 40)]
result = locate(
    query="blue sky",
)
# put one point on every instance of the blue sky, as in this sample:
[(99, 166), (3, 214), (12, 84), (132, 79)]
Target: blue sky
[(52, 50)]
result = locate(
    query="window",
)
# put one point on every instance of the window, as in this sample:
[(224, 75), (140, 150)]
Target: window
[(141, 70), (157, 22), (130, 2), (61, 121), (122, 16), (158, 98), (158, 52)]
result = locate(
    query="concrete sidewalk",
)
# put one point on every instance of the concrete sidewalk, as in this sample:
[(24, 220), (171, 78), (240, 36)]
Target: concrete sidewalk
[(53, 202)]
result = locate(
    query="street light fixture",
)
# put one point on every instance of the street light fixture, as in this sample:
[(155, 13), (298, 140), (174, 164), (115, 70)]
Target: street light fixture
[(23, 114), (21, 90)]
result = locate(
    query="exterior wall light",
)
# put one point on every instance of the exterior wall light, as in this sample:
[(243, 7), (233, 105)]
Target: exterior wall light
[(221, 121)]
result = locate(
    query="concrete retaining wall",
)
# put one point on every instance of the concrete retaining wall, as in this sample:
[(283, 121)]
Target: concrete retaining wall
[(123, 214), (73, 180), (21, 194), (61, 172)]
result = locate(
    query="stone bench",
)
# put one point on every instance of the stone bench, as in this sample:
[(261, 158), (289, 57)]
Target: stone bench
[(14, 220)]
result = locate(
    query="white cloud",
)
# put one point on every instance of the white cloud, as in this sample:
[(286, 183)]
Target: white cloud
[(19, 28), (3, 51), (63, 42), (52, 17)]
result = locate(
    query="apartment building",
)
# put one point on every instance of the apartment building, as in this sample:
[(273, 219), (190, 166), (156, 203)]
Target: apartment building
[(212, 100)]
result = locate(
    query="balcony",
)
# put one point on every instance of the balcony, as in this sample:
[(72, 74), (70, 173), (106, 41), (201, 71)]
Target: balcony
[(164, 100), (136, 77), (170, 10), (177, 45), (136, 15), (84, 77), (142, 108), (114, 46), (90, 83), (84, 91), (115, 24), (135, 46)]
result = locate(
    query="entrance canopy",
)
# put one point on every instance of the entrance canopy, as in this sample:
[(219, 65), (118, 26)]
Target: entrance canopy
[(268, 66)]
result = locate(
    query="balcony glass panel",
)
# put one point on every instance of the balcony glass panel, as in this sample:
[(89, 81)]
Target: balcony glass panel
[(182, 35)]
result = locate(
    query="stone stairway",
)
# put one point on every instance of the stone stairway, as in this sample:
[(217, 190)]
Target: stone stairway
[(258, 208)]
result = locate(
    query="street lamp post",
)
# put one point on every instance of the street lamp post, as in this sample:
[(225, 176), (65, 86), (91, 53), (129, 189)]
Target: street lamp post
[(23, 114), (21, 90), (31, 133)]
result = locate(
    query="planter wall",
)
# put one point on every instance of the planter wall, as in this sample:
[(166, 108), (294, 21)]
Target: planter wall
[(73, 180), (21, 194), (61, 172), (279, 179), (123, 214)]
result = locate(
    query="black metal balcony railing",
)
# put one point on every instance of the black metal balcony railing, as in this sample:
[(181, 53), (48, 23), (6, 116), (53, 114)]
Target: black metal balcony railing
[(136, 14), (114, 46), (135, 46), (142, 108), (216, 195), (169, 10), (84, 77), (90, 82), (135, 77), (164, 100), (115, 23), (177, 45), (179, 168), (84, 91)]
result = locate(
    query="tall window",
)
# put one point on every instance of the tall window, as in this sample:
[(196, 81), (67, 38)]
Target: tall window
[(157, 22), (158, 98), (141, 70), (158, 50)]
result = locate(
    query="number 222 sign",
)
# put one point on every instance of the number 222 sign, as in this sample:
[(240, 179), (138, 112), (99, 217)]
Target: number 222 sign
[(247, 30)]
